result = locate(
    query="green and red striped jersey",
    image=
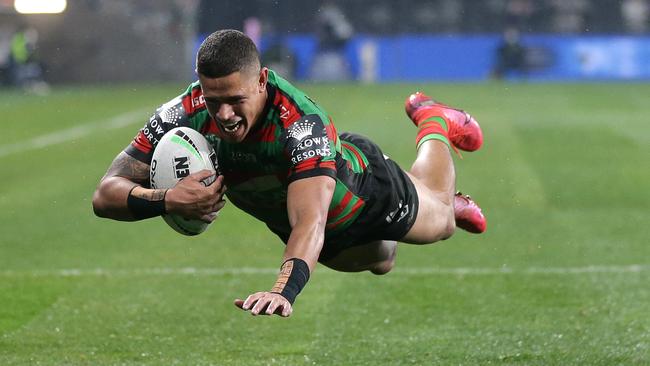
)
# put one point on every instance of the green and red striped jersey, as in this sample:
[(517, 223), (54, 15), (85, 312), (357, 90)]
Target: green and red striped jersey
[(296, 139)]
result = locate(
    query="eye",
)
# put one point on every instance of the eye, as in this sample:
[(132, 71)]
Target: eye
[(212, 104)]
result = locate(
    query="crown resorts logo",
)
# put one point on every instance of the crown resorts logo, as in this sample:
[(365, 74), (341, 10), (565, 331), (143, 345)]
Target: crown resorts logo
[(302, 129), (171, 115), (304, 144), (172, 111)]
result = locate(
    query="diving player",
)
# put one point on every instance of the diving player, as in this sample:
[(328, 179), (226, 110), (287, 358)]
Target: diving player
[(332, 197)]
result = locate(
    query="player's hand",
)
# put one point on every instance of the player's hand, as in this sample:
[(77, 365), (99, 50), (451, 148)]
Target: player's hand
[(192, 199), (265, 303)]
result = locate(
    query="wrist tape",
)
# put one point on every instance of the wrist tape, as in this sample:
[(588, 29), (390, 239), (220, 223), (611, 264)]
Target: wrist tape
[(142, 208), (293, 276)]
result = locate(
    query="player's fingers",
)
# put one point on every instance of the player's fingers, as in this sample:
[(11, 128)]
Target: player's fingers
[(251, 300), (209, 202), (273, 306), (218, 206), (209, 217), (201, 175), (216, 186), (223, 188), (261, 304), (280, 307), (287, 309)]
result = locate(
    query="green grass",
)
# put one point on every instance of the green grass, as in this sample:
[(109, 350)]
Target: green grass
[(562, 178)]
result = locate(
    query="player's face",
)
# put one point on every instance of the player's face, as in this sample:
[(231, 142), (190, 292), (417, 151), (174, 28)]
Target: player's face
[(235, 101)]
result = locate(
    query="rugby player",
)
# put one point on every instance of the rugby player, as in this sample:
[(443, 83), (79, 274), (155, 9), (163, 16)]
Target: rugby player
[(331, 197)]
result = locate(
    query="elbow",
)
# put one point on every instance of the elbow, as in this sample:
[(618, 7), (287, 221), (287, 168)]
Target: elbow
[(102, 205), (110, 199), (99, 205)]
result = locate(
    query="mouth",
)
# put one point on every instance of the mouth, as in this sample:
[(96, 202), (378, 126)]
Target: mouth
[(231, 127)]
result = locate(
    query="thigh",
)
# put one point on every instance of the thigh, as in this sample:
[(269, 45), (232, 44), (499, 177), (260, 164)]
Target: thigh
[(434, 220), (373, 256)]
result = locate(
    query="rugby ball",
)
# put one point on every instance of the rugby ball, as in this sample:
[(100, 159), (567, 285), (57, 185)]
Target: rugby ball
[(180, 152)]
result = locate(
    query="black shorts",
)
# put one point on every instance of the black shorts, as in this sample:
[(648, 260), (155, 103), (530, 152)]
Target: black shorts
[(391, 203)]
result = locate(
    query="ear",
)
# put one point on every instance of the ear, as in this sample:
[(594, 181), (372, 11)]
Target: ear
[(264, 77)]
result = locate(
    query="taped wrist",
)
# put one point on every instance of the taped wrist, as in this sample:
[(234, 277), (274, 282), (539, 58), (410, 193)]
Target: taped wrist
[(293, 276), (146, 207)]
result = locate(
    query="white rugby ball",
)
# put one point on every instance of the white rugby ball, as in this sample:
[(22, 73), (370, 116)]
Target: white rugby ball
[(180, 152)]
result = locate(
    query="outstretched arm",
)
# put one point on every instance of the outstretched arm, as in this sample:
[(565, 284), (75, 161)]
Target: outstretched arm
[(308, 201), (128, 176)]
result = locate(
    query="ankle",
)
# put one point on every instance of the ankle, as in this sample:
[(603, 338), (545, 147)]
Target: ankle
[(430, 115)]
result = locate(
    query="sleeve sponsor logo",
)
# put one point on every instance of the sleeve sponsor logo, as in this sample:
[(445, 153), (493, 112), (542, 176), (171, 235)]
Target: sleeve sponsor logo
[(284, 113), (198, 101), (300, 130), (171, 115), (306, 139), (172, 112), (153, 130)]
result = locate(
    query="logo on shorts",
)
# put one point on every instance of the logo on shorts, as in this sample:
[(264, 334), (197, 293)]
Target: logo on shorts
[(400, 213)]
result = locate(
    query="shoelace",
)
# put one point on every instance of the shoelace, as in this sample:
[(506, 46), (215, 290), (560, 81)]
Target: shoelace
[(452, 136), (467, 199)]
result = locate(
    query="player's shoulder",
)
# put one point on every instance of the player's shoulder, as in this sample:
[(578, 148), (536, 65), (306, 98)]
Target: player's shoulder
[(192, 99), (188, 102), (182, 109), (291, 103)]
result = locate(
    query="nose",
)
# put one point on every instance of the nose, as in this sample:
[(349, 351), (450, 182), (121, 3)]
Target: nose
[(225, 112)]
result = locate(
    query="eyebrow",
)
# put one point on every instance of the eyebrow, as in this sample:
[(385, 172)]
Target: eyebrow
[(233, 98)]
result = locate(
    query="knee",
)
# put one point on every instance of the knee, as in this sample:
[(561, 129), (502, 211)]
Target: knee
[(383, 267), (444, 228), (448, 229)]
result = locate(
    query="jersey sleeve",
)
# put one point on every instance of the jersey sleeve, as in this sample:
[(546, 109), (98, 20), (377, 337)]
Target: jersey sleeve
[(309, 149), (168, 116)]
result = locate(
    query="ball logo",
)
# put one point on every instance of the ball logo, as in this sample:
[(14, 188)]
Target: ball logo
[(181, 167), (213, 160), (181, 152), (152, 173)]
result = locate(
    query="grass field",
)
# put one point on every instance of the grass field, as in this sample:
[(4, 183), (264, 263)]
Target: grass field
[(562, 277)]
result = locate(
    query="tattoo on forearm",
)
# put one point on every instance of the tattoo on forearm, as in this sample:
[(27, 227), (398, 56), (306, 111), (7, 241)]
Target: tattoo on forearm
[(130, 168), (149, 194), (283, 277)]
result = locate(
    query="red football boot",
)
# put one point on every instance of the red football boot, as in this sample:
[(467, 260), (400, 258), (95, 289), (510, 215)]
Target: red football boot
[(468, 215), (463, 131)]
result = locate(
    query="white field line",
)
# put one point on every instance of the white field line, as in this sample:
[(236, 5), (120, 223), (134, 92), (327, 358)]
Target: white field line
[(76, 132), (634, 268)]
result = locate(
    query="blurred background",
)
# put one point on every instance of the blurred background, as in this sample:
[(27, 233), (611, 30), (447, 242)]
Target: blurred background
[(561, 276), (90, 41)]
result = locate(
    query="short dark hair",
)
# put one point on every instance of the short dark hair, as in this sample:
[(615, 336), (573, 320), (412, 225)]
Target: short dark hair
[(226, 51)]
